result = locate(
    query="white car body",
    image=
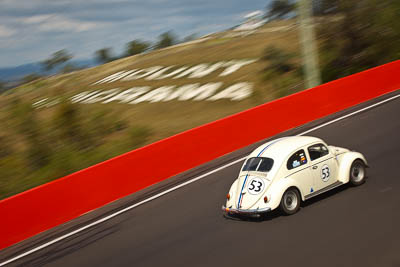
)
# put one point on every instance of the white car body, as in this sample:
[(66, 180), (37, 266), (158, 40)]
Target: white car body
[(302, 163)]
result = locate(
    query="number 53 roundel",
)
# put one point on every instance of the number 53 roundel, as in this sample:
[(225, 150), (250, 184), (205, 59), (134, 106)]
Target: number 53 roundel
[(255, 186), (325, 173)]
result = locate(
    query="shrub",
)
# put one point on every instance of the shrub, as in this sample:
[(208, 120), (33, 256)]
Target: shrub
[(138, 135)]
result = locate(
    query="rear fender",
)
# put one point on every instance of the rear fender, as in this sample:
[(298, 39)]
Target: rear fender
[(278, 188), (233, 194), (345, 161)]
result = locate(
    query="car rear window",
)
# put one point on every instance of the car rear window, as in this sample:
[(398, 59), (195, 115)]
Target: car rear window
[(258, 164)]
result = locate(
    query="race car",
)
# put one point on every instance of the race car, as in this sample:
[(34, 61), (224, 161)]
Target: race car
[(284, 172)]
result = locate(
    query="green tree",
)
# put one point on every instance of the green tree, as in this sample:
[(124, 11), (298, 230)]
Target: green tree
[(281, 71), (138, 135), (190, 38), (2, 87), (27, 125), (58, 58), (5, 146), (365, 41), (68, 123), (136, 47), (325, 7), (279, 9), (279, 60), (104, 55), (166, 39), (30, 78), (70, 67)]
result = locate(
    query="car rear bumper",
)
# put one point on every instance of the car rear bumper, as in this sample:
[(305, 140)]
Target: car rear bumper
[(245, 212)]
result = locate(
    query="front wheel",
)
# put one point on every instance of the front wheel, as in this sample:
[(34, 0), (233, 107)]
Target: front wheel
[(357, 172), (290, 202)]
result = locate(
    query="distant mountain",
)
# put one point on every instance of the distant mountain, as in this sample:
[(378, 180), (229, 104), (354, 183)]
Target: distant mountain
[(9, 74), (13, 74)]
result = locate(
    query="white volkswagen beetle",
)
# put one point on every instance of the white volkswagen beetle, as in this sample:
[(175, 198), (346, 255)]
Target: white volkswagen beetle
[(286, 171)]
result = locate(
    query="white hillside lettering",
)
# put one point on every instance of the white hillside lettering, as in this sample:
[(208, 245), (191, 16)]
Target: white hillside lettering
[(172, 74), (210, 91), (196, 71), (128, 95), (139, 74), (194, 92), (81, 96), (198, 92), (154, 96), (234, 65), (101, 96), (114, 77), (234, 92), (158, 74), (180, 92)]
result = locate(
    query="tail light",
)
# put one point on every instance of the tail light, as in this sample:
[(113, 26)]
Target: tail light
[(228, 196), (265, 199)]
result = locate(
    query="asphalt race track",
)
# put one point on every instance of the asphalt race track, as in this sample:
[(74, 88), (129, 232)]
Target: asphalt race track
[(349, 226)]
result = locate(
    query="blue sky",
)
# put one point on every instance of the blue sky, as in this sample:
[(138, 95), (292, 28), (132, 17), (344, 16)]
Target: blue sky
[(31, 30)]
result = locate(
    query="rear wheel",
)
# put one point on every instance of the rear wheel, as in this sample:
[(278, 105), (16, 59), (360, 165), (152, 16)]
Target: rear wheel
[(357, 172), (290, 202)]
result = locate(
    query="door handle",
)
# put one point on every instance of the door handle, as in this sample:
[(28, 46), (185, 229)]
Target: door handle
[(315, 167)]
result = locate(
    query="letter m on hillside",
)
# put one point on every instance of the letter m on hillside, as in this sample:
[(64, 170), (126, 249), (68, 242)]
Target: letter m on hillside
[(114, 77)]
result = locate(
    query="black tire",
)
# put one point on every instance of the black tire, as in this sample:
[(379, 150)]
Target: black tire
[(290, 202), (358, 172)]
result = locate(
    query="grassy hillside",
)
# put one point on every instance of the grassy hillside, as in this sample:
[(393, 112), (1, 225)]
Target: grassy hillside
[(56, 137)]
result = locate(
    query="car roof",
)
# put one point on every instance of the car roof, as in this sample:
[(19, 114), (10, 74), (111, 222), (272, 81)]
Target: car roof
[(282, 147)]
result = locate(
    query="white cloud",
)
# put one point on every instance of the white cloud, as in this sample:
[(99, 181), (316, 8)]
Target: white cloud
[(36, 19), (66, 25), (58, 23), (6, 31)]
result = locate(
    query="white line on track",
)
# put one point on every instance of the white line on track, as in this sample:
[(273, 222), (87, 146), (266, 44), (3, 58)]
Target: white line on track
[(176, 187)]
